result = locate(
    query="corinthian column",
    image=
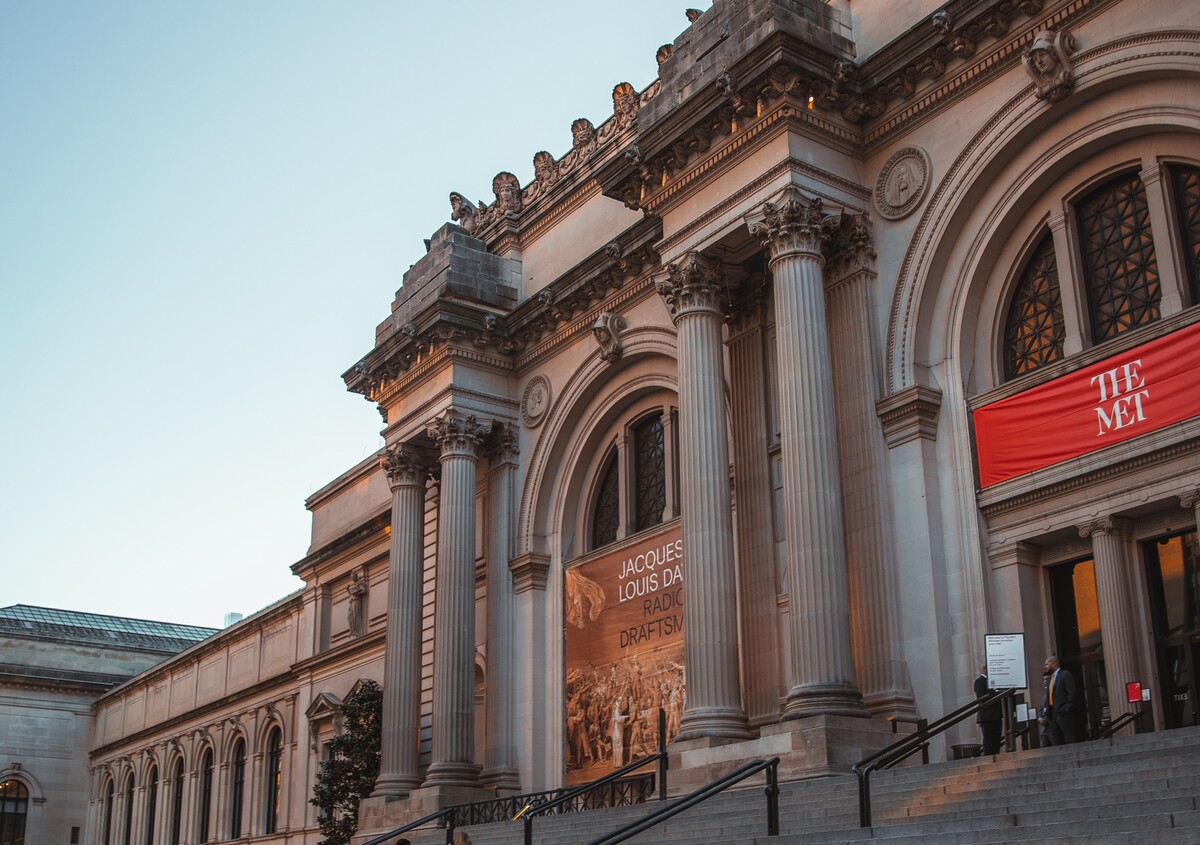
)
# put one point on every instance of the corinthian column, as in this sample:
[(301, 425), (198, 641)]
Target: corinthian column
[(1117, 631), (693, 290), (500, 765), (452, 759), (399, 768), (794, 231)]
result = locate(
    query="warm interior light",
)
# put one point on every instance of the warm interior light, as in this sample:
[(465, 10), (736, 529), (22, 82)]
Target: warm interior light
[(810, 102)]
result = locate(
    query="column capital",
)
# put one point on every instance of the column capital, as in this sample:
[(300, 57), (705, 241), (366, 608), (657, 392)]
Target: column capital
[(502, 443), (795, 224), (852, 249), (405, 465), (747, 308), (1102, 525), (1190, 498), (457, 435), (693, 284)]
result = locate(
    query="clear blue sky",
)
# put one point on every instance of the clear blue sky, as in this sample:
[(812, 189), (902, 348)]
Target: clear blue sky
[(205, 209)]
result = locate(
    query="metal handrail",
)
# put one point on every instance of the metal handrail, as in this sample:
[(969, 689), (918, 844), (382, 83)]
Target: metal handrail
[(434, 816), (659, 756), (703, 794), (1118, 723), (898, 751)]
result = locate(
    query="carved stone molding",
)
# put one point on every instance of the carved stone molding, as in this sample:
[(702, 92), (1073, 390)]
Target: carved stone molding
[(796, 224), (607, 330), (1190, 499), (1048, 63), (695, 283), (457, 435), (909, 415), (902, 183), (529, 572), (1103, 525), (405, 465), (536, 401)]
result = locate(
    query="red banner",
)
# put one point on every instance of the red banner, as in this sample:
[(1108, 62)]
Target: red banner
[(1139, 391)]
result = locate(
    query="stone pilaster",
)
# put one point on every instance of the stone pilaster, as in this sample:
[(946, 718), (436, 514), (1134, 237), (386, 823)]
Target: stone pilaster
[(452, 761), (694, 290), (759, 616), (500, 764), (794, 231), (1118, 633), (875, 630), (1191, 499), (399, 771)]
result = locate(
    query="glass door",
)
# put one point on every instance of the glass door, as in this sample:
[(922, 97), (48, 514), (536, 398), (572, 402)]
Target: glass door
[(1173, 575)]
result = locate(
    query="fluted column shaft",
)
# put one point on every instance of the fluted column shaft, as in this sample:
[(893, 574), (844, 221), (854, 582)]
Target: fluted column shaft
[(453, 746), (755, 538), (500, 765), (399, 766), (1117, 629), (693, 290), (794, 231), (874, 619)]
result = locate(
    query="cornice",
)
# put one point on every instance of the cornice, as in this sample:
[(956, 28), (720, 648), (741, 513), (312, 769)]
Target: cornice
[(367, 642), (348, 542)]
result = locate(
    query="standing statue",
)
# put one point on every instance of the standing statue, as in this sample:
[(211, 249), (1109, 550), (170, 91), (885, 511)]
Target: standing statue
[(356, 612)]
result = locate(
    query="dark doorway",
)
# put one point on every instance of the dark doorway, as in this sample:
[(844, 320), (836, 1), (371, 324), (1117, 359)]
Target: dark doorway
[(1174, 581), (1080, 647)]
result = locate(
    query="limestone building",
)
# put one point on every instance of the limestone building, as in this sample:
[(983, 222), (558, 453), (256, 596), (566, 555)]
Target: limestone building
[(863, 331), (53, 665)]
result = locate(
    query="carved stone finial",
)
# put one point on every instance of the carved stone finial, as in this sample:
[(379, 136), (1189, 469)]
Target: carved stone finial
[(463, 211), (693, 15), (508, 193), (942, 21), (665, 52), (625, 105), (457, 435), (696, 283), (583, 136), (545, 169), (1048, 63), (614, 251), (796, 224), (607, 331)]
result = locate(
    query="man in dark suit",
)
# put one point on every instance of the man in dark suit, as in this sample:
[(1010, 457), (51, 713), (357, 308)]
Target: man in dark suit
[(1059, 702), (991, 717)]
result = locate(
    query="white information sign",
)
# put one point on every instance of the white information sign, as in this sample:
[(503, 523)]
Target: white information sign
[(1006, 661)]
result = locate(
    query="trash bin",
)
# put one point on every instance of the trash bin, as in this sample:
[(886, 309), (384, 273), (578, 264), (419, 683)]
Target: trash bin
[(963, 752)]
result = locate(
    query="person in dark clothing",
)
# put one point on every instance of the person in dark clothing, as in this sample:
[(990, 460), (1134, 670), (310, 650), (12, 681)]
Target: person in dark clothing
[(991, 717), (1059, 703)]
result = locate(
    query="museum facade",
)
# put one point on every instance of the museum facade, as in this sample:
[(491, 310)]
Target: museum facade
[(864, 331)]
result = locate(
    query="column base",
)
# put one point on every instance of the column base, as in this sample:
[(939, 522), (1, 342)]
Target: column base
[(824, 699), (452, 775), (395, 786), (501, 779), (715, 722)]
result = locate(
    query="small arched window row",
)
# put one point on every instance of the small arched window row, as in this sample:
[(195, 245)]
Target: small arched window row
[(1119, 263), (634, 489)]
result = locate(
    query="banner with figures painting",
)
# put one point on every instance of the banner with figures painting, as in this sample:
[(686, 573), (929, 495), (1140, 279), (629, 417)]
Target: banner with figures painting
[(624, 647)]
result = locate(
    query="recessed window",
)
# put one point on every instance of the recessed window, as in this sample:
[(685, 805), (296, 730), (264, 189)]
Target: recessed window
[(1034, 330), (1186, 186), (650, 472), (14, 807), (176, 802), (237, 790), (608, 505), (206, 792), (274, 785), (151, 803), (635, 488)]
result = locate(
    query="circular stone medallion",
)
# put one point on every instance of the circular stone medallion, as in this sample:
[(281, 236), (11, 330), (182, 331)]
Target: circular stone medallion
[(536, 401), (902, 183)]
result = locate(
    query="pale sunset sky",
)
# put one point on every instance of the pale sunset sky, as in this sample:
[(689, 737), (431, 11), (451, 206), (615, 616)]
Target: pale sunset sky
[(205, 209)]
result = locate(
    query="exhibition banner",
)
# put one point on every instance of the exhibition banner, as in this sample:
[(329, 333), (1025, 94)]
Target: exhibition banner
[(624, 649), (1141, 390)]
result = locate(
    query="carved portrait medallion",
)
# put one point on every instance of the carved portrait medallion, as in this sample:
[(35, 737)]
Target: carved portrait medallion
[(902, 183), (536, 401)]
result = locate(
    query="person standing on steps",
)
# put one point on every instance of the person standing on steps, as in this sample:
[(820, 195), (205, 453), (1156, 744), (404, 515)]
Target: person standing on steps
[(991, 717), (1059, 702)]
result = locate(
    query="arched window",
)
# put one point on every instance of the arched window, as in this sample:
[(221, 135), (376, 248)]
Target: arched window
[(237, 790), (206, 793), (127, 835), (14, 805), (1034, 331), (1186, 185), (1120, 267), (608, 505), (151, 803), (274, 785), (177, 801), (109, 795), (650, 472)]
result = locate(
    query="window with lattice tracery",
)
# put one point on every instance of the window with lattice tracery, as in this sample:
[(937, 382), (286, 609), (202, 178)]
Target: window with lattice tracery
[(608, 505), (1187, 202), (650, 472), (1034, 329)]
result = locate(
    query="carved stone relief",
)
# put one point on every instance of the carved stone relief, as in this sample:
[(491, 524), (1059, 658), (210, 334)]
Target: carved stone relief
[(536, 401), (607, 331), (1048, 63), (902, 183)]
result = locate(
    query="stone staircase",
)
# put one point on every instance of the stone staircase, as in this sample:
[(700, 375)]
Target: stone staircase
[(1143, 789)]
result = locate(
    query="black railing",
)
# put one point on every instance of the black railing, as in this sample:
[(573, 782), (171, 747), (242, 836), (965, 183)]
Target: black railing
[(771, 767), (1121, 721), (899, 751), (445, 812)]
